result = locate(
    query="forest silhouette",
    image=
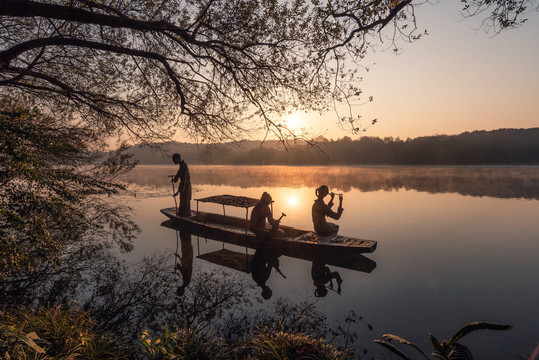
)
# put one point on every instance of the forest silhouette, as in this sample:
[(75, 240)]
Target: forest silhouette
[(497, 147)]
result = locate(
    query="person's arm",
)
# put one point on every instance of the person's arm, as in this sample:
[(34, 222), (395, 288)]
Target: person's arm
[(176, 177), (330, 203), (271, 220), (332, 214)]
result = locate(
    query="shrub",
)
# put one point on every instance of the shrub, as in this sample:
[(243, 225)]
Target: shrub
[(187, 344), (277, 345)]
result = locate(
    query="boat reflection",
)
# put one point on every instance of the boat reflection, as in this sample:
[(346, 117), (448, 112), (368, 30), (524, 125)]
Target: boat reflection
[(265, 259)]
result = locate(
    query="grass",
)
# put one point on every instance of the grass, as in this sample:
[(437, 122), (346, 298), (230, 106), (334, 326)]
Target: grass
[(56, 333), (277, 345), (60, 333)]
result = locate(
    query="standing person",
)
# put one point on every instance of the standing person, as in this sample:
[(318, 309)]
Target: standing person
[(184, 189), (260, 213), (321, 210)]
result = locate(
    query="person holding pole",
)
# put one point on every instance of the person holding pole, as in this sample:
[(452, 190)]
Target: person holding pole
[(320, 210), (184, 188)]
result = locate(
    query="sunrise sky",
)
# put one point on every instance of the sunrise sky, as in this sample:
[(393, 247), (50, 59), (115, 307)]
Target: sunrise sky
[(455, 79)]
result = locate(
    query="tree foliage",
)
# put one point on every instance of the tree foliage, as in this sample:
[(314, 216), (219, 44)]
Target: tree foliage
[(496, 147), (204, 66), (500, 14), (48, 199)]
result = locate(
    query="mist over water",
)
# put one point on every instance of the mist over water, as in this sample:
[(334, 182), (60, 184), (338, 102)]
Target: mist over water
[(455, 245)]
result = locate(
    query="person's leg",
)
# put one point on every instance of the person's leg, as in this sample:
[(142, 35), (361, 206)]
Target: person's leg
[(185, 206), (333, 228)]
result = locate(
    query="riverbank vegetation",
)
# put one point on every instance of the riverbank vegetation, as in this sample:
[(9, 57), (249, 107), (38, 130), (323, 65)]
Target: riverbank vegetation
[(58, 332), (61, 333), (54, 187)]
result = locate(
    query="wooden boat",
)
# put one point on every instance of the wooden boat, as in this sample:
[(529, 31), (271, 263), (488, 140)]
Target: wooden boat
[(235, 230), (239, 261)]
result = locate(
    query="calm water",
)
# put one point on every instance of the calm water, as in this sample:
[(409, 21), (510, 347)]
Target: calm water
[(455, 245)]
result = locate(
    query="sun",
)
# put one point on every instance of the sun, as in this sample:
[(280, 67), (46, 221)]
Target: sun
[(293, 201), (294, 121)]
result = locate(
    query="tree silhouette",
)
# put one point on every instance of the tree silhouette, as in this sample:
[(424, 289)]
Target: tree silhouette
[(206, 67)]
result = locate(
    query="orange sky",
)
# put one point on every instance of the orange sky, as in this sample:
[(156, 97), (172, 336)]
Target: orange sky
[(455, 79)]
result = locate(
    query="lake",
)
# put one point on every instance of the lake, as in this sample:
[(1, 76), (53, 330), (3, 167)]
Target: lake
[(455, 245)]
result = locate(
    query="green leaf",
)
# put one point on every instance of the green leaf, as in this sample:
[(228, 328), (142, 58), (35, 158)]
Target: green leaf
[(468, 328), (392, 348)]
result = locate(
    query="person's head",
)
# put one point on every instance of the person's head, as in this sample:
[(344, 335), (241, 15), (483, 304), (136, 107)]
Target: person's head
[(265, 199), (176, 158), (266, 292), (320, 291), (322, 191)]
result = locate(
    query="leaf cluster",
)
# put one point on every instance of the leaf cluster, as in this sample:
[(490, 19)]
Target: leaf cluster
[(48, 174), (445, 350), (206, 68), (56, 333)]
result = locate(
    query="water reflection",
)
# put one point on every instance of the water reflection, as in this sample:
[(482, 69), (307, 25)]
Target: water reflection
[(261, 265), (322, 275), (499, 182), (265, 259), (184, 262)]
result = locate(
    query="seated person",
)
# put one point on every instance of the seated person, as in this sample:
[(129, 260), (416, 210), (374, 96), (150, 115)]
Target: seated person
[(260, 213), (321, 210), (321, 275)]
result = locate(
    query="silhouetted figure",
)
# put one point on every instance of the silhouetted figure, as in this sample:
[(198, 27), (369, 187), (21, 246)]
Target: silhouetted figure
[(261, 265), (185, 262), (321, 275), (184, 188), (321, 210), (259, 214)]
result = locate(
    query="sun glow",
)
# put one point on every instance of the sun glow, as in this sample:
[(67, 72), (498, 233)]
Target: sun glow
[(292, 201), (294, 121)]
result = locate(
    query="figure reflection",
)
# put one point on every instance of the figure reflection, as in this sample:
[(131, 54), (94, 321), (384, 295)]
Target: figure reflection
[(262, 263), (321, 275), (184, 263)]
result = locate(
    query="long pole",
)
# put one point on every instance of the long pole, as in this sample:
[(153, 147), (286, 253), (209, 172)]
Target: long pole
[(173, 194)]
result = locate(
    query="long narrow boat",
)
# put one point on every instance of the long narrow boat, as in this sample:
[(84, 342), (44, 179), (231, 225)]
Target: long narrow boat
[(236, 231), (346, 260)]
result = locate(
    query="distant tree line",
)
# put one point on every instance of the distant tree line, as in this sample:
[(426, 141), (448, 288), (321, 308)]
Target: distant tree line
[(504, 146)]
